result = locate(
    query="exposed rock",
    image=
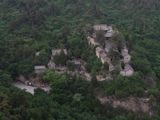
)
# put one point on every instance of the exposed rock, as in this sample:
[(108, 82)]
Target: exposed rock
[(130, 103)]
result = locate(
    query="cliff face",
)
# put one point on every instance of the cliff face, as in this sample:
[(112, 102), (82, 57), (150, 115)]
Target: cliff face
[(130, 103)]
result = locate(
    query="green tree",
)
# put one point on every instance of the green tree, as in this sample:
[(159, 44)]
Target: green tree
[(70, 65), (58, 83), (93, 78), (69, 54), (48, 75), (84, 56), (77, 52), (157, 66), (62, 46), (2, 116), (110, 53), (77, 97), (130, 116), (56, 58), (106, 66), (118, 40), (116, 70), (151, 98), (87, 67), (5, 80), (62, 57), (120, 118), (89, 29), (104, 75), (34, 114), (54, 9), (100, 37), (65, 31), (122, 65)]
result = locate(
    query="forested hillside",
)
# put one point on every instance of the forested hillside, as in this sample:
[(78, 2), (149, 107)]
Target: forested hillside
[(29, 26)]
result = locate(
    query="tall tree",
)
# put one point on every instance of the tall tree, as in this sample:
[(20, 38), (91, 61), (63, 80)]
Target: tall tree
[(69, 54), (65, 31), (56, 58), (70, 65), (62, 57), (89, 29), (77, 52), (93, 78), (100, 37), (118, 40)]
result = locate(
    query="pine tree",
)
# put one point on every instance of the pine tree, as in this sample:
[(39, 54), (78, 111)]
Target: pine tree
[(56, 58), (84, 56), (94, 79), (151, 98), (63, 57), (130, 116), (69, 54), (62, 46), (106, 66), (66, 31), (77, 53)]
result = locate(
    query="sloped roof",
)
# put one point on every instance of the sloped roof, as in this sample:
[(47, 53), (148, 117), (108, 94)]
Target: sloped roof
[(103, 55), (77, 62), (128, 67), (125, 49), (110, 28), (101, 26), (91, 40), (111, 67), (108, 45), (51, 63), (98, 49), (58, 51), (40, 67), (124, 53), (108, 34)]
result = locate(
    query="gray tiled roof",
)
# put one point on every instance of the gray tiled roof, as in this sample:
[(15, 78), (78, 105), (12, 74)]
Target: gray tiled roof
[(58, 51), (124, 53), (111, 67), (128, 67), (51, 63), (108, 46), (101, 26), (39, 67), (77, 62), (98, 49), (110, 28), (108, 34), (103, 55)]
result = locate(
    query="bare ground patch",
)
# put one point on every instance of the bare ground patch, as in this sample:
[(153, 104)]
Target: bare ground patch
[(130, 103)]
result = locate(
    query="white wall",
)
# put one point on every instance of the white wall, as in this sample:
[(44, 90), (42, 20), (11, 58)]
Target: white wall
[(129, 73), (122, 72), (127, 59)]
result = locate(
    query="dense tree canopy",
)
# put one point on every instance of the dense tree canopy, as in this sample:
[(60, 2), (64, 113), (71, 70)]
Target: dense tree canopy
[(29, 26)]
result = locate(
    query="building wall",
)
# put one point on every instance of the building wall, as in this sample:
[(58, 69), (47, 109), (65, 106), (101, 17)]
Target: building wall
[(108, 60), (40, 71), (126, 50), (97, 54), (102, 61), (129, 73), (123, 73), (126, 73), (127, 59)]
